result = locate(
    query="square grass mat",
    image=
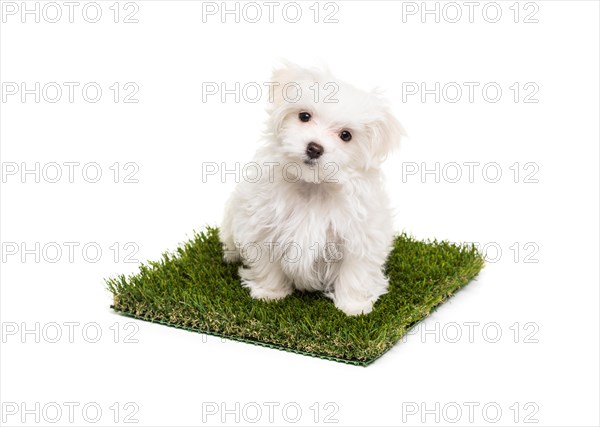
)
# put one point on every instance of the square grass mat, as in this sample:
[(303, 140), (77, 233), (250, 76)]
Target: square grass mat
[(193, 289)]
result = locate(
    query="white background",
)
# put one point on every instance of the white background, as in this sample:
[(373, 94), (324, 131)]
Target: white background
[(542, 284)]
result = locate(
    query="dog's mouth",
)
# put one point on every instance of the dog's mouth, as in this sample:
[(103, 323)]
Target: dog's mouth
[(310, 162)]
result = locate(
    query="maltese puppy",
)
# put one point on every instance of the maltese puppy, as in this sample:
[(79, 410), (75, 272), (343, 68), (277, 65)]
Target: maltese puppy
[(311, 212)]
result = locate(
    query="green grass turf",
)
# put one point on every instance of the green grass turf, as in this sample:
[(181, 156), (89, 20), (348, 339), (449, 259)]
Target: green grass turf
[(193, 289)]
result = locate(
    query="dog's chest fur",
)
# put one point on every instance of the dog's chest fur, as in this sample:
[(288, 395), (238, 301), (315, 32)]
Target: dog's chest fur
[(307, 231)]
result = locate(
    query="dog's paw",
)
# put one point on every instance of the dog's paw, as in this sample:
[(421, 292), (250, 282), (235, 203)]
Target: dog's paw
[(265, 294), (354, 308), (266, 287)]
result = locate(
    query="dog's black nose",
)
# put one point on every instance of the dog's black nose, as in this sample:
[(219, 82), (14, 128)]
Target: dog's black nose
[(314, 150)]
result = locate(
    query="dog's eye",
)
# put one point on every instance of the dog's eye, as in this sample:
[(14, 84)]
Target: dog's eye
[(345, 136), (304, 116)]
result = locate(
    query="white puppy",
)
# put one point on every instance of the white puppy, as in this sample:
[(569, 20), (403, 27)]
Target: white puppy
[(313, 215)]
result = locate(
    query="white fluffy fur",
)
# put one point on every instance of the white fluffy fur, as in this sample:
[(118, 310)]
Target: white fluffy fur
[(323, 225)]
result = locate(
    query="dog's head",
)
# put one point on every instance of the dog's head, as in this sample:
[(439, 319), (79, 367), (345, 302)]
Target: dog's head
[(326, 129)]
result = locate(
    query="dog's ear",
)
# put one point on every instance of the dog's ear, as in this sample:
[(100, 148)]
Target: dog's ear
[(285, 83), (385, 135)]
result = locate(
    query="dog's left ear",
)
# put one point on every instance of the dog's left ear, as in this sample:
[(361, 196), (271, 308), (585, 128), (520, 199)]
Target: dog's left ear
[(386, 133)]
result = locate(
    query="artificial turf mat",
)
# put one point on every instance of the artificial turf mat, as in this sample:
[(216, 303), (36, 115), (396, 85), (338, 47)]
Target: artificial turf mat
[(192, 288)]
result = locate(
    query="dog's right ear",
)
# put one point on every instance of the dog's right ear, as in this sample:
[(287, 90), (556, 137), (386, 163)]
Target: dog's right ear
[(285, 83)]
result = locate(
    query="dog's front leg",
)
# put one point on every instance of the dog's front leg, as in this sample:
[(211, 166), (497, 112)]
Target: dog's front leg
[(266, 280), (359, 284)]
